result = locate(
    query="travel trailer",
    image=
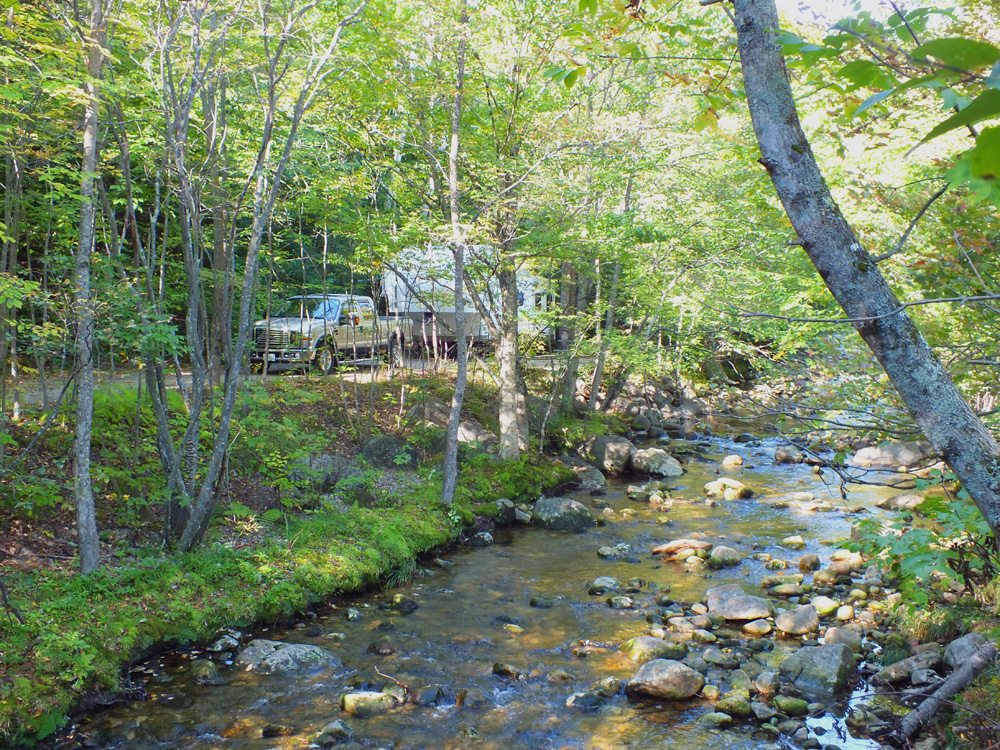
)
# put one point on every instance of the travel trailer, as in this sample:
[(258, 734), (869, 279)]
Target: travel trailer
[(420, 285)]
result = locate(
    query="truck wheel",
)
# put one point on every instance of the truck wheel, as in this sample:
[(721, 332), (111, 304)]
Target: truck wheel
[(325, 360)]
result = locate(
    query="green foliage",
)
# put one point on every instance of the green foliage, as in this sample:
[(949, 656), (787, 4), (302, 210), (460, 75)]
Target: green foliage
[(955, 546)]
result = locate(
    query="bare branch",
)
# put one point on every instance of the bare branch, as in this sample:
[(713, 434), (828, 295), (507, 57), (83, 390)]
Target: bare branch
[(868, 319), (913, 223)]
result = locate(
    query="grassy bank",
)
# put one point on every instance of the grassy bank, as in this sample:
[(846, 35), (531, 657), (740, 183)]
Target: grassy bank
[(276, 548)]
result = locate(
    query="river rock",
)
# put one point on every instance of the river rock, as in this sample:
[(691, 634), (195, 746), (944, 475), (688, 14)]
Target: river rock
[(825, 606), (808, 563), (716, 720), (588, 476), (960, 650), (731, 602), (768, 682), (603, 584), (757, 627), (724, 557), (732, 462), (893, 454), (275, 657), (480, 539), (332, 733), (719, 659), (645, 648), (656, 462), (609, 453), (901, 670), (793, 542), (615, 552), (762, 711), (673, 548), (907, 501), (735, 705), (799, 621), (204, 672), (665, 678), (819, 669), (723, 485), (851, 638), (791, 706), (596, 695), (788, 454), (366, 702), (562, 514)]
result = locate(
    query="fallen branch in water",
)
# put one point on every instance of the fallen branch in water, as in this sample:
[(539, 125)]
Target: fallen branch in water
[(914, 721), (390, 677)]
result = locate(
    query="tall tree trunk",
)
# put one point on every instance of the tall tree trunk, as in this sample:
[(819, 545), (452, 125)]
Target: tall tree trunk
[(88, 543), (221, 330), (450, 468), (507, 349), (851, 274)]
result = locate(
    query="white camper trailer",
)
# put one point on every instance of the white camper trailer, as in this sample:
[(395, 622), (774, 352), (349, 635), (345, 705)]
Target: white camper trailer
[(420, 285)]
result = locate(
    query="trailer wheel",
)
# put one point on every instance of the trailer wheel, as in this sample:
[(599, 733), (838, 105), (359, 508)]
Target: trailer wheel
[(325, 360)]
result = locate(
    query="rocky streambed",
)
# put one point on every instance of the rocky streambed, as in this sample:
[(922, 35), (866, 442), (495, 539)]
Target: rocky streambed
[(713, 608)]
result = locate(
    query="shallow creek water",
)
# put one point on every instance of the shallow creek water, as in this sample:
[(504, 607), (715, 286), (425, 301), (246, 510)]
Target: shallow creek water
[(461, 630)]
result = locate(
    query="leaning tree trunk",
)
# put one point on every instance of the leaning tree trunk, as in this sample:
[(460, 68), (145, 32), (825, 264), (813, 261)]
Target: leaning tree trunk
[(88, 542), (851, 274)]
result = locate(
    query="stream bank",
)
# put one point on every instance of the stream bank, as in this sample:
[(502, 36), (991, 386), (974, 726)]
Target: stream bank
[(545, 638)]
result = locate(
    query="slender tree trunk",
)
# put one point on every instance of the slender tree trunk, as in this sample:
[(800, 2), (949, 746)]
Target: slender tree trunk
[(507, 349), (851, 274), (221, 331), (450, 469), (88, 543)]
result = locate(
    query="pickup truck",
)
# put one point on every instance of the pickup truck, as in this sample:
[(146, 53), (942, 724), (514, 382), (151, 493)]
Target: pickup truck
[(323, 330)]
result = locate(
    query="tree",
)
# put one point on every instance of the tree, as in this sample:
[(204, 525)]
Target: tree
[(88, 542), (851, 272)]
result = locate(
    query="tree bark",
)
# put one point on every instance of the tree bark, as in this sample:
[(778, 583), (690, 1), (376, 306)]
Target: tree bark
[(88, 542), (507, 349), (450, 468), (851, 274)]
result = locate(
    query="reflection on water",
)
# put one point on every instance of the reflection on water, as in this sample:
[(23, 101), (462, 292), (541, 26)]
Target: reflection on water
[(475, 613)]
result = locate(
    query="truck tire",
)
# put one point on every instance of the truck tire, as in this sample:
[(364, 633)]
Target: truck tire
[(325, 360)]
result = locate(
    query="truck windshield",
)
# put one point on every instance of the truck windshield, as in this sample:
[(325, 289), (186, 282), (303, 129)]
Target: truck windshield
[(310, 307)]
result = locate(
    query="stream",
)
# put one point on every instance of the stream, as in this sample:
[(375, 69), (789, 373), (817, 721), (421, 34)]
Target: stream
[(475, 611)]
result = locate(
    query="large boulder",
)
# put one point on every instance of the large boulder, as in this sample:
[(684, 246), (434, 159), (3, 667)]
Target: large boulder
[(731, 602), (434, 413), (589, 477), (656, 462), (893, 454), (609, 453), (387, 452), (962, 649), (562, 513), (275, 657), (819, 670), (323, 470), (665, 678)]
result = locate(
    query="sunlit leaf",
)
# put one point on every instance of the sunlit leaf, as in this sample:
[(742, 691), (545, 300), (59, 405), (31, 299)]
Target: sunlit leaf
[(959, 52), (984, 159)]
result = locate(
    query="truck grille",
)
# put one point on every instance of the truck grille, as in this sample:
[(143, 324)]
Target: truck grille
[(271, 340)]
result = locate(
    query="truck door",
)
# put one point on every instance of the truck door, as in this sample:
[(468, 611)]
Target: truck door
[(347, 331), (367, 328)]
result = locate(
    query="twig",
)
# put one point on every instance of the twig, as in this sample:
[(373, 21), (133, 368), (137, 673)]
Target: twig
[(380, 673), (913, 223), (11, 607)]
